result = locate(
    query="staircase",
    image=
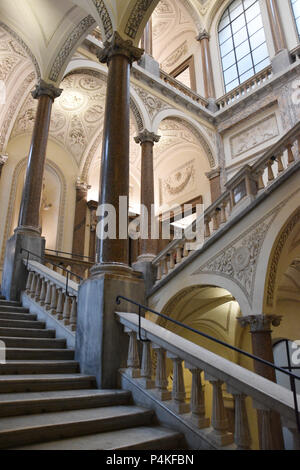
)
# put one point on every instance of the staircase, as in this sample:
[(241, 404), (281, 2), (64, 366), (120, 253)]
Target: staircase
[(45, 403)]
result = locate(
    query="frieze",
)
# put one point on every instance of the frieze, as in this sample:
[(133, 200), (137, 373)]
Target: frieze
[(136, 18)]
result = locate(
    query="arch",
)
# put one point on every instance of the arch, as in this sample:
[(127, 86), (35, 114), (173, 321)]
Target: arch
[(24, 46), (194, 13), (194, 127), (12, 199)]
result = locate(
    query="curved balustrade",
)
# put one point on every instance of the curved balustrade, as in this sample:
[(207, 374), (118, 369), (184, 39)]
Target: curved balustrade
[(183, 89), (249, 183), (216, 371), (54, 292)]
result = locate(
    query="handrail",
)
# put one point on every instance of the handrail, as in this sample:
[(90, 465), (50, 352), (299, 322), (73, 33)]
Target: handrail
[(223, 343), (68, 271), (71, 254)]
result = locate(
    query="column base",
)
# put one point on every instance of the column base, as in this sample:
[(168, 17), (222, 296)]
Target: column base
[(14, 271), (111, 268), (221, 439), (200, 421), (162, 395), (101, 344), (147, 269)]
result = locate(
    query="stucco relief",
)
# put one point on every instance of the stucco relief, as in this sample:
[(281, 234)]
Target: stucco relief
[(176, 56), (253, 136), (153, 104), (176, 183), (136, 17), (238, 260)]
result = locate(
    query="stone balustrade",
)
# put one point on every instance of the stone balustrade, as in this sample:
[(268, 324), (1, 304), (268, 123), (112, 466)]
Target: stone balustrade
[(295, 54), (245, 88), (183, 89), (53, 292), (241, 190), (215, 370)]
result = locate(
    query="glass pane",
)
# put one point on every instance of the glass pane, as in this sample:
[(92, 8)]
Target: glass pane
[(260, 53), (248, 3), (224, 22), (240, 37), (238, 24), (225, 34), (228, 60), (242, 50), (257, 39), (247, 75), (296, 10), (262, 65), (252, 12), (255, 25), (230, 74), (226, 47), (245, 64), (231, 85)]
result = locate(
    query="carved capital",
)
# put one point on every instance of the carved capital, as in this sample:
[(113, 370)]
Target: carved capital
[(203, 35), (118, 46), (213, 174), (3, 159), (260, 323), (43, 88), (82, 186), (146, 136)]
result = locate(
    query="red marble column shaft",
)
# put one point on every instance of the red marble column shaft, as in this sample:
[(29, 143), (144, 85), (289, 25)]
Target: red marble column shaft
[(29, 216), (119, 55), (208, 79), (149, 246), (80, 219)]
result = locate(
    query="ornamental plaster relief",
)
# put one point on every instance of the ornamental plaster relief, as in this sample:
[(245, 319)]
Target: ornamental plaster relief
[(176, 57), (176, 183)]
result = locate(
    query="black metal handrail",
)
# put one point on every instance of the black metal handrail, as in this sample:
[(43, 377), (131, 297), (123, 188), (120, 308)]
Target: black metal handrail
[(74, 255), (223, 343), (68, 271)]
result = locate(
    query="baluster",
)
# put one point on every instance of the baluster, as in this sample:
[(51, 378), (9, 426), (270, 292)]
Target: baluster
[(172, 260), (178, 390), (223, 218), (159, 271), (291, 158), (178, 254), (219, 419), (73, 317), (60, 305), (260, 182), (146, 367), (242, 437), (43, 292), (197, 398), (53, 303), (29, 282), (33, 285), (48, 296), (185, 250), (271, 176), (38, 289), (207, 233), (165, 266), (133, 360), (280, 163), (67, 311), (161, 381), (215, 219)]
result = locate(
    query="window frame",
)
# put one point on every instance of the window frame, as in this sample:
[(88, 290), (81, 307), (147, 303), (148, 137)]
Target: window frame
[(238, 78), (295, 21), (188, 63)]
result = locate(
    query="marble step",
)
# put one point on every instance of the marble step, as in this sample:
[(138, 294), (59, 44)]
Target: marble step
[(16, 354), (13, 309), (20, 324), (33, 343), (9, 303), (17, 316), (23, 430), (45, 382), (16, 404), (138, 438), (26, 332), (39, 367)]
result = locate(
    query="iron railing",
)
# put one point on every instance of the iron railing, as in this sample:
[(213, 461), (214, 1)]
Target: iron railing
[(292, 376)]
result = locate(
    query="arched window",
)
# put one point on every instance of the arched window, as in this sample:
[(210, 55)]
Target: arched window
[(242, 42), (296, 10)]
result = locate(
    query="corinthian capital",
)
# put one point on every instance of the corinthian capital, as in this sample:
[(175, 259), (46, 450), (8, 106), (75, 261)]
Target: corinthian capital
[(3, 159), (44, 88), (118, 46), (259, 323), (82, 186), (146, 136), (203, 35)]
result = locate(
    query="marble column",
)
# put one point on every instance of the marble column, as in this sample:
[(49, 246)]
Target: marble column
[(148, 247), (276, 27), (28, 233), (119, 55), (3, 160), (260, 328), (29, 215), (209, 88), (147, 38), (80, 218), (92, 205), (101, 345)]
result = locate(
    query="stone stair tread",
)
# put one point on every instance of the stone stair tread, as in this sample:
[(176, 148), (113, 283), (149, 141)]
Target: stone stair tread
[(41, 377), (4, 302), (18, 316), (26, 332), (137, 438), (13, 308), (36, 353), (22, 324), (64, 394), (39, 343), (23, 367)]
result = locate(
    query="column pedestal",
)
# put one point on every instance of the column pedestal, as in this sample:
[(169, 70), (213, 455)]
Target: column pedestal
[(260, 328), (28, 233)]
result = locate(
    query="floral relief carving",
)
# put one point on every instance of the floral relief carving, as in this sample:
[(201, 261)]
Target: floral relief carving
[(153, 104), (177, 182), (173, 58), (136, 17)]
